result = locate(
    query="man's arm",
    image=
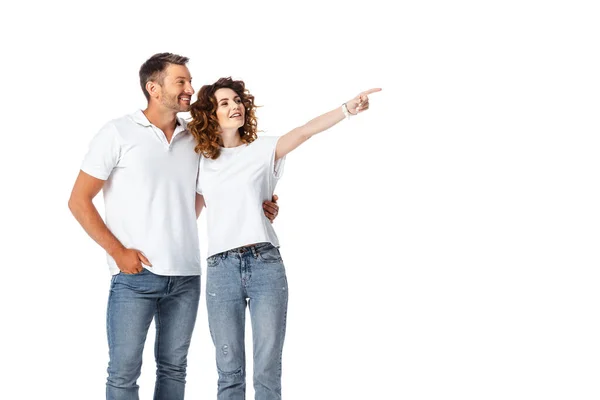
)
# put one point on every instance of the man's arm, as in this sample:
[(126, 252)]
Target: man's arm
[(199, 204), (85, 189), (270, 208)]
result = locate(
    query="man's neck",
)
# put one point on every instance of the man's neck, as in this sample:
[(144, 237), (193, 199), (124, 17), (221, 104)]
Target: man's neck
[(165, 120)]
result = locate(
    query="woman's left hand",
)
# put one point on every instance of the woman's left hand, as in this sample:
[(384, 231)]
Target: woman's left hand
[(361, 102)]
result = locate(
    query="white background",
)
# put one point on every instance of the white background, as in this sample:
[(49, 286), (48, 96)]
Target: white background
[(443, 245)]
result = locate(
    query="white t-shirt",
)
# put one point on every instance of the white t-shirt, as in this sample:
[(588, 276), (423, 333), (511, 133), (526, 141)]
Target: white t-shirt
[(149, 193), (234, 187)]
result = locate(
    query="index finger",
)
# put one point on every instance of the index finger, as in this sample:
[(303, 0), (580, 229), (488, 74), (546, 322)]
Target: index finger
[(143, 259), (368, 92)]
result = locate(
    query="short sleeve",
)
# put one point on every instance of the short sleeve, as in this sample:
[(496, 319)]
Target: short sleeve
[(276, 167), (103, 154)]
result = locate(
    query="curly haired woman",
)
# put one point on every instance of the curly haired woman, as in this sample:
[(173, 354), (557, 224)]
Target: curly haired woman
[(237, 172)]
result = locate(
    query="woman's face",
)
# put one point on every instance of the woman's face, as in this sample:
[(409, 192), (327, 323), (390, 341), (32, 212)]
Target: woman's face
[(230, 109)]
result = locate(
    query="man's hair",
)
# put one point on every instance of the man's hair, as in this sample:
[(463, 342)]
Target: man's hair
[(154, 69)]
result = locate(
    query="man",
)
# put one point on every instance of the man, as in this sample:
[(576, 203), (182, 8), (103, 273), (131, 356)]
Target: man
[(147, 168)]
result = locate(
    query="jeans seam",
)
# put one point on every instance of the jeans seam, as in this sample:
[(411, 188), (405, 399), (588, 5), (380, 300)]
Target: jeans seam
[(157, 346), (282, 341), (108, 308)]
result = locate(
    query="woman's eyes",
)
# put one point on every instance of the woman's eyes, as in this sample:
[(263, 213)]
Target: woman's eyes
[(238, 101)]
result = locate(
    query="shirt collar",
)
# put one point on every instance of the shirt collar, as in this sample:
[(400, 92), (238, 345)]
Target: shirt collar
[(140, 118)]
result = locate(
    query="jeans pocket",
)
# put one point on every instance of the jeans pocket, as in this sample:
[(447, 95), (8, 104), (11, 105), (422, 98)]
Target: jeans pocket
[(213, 261), (269, 254)]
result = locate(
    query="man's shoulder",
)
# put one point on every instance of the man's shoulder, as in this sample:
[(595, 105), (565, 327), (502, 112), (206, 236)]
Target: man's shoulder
[(126, 123), (131, 119)]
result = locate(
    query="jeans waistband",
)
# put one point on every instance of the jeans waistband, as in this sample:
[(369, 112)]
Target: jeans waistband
[(255, 249)]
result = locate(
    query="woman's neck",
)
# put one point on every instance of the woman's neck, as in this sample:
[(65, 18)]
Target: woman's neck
[(231, 138)]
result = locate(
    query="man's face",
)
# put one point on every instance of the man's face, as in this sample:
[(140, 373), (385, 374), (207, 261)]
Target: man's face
[(176, 90)]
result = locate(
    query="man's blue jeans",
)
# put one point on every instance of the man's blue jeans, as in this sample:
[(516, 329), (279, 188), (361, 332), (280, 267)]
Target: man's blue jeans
[(253, 276), (133, 302)]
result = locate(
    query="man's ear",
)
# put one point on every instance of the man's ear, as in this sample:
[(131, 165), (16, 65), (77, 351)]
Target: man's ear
[(152, 88)]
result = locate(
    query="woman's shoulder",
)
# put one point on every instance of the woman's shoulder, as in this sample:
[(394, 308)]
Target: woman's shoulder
[(266, 141)]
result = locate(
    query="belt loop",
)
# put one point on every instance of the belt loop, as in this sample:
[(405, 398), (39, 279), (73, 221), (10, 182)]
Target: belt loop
[(254, 252)]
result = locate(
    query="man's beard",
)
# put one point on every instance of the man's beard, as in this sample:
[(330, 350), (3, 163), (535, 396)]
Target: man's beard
[(172, 103)]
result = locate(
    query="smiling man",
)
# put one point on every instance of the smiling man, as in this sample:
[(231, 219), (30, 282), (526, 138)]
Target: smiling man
[(146, 165)]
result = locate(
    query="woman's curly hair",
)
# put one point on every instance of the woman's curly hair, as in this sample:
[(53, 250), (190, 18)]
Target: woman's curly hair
[(204, 125)]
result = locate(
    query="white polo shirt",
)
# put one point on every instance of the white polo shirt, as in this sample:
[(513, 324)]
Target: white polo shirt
[(150, 191)]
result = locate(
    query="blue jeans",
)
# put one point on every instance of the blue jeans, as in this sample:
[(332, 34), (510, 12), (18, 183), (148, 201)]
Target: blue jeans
[(133, 302), (253, 276)]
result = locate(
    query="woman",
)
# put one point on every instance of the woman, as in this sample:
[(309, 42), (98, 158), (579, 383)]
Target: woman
[(237, 172)]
